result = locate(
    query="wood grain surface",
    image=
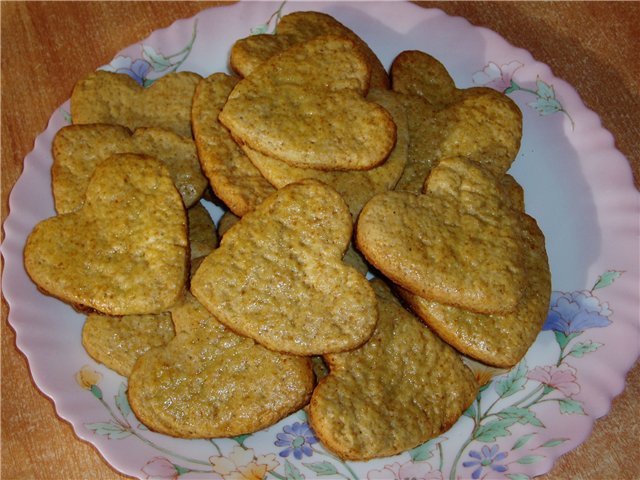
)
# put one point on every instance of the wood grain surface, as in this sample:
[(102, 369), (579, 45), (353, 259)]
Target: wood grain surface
[(47, 46)]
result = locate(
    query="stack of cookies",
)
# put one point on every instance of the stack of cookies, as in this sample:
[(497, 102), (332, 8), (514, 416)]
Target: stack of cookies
[(328, 169)]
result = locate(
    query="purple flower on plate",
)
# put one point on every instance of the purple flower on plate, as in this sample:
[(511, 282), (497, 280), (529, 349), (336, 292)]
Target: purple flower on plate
[(297, 438), (486, 457), (575, 312), (138, 70)]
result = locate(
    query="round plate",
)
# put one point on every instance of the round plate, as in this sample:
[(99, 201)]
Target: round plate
[(577, 186)]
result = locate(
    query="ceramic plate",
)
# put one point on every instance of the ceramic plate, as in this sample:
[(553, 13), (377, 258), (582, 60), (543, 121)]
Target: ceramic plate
[(577, 186)]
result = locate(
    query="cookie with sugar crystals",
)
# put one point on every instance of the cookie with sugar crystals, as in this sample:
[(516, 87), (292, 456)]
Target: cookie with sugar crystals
[(306, 106), (233, 178), (125, 251), (278, 275), (77, 149), (459, 243), (115, 98), (395, 392)]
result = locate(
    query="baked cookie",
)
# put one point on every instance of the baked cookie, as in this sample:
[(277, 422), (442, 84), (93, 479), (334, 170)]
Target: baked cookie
[(233, 178), (210, 382), (355, 186), (203, 236), (115, 98), (351, 257), (306, 106), (459, 243), (278, 275), (398, 390), (297, 27), (117, 342), (417, 73), (227, 220), (77, 149), (496, 340), (125, 251), (477, 123)]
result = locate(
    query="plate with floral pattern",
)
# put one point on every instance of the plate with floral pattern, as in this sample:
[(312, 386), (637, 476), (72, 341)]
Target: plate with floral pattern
[(577, 185)]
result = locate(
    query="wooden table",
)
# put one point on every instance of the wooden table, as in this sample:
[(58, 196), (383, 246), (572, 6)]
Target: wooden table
[(47, 46)]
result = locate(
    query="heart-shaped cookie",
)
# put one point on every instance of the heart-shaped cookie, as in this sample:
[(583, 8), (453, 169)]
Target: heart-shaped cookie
[(77, 149), (306, 107), (417, 73), (351, 257), (247, 53), (115, 98), (118, 341), (125, 251), (401, 388), (355, 186), (497, 340), (477, 123), (209, 382), (278, 275), (233, 178), (459, 243)]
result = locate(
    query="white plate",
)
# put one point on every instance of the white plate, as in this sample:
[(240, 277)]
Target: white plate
[(577, 186)]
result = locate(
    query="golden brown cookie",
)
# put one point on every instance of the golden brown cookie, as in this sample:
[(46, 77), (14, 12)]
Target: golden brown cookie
[(227, 220), (306, 107), (351, 257), (477, 123), (459, 243), (77, 149), (107, 97), (398, 390), (417, 73), (125, 251), (355, 186), (482, 125), (278, 275), (203, 236), (496, 340), (233, 178), (247, 53), (210, 382), (117, 342)]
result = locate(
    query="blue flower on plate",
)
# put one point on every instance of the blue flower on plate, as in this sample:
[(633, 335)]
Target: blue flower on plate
[(575, 312), (486, 457), (297, 438), (138, 70)]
